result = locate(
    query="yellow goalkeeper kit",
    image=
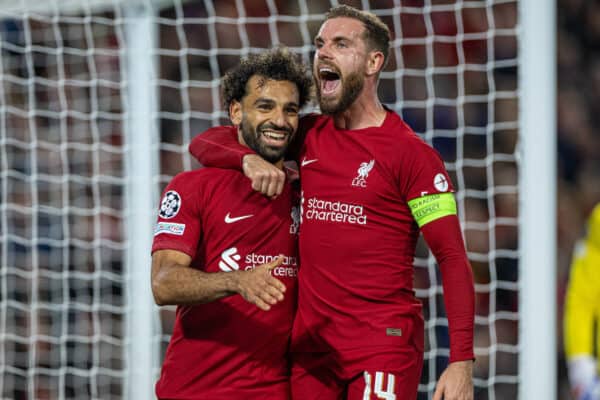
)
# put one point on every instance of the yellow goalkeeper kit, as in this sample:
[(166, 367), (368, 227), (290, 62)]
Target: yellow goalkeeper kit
[(582, 312)]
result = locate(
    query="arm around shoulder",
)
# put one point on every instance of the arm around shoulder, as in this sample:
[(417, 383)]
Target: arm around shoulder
[(219, 147)]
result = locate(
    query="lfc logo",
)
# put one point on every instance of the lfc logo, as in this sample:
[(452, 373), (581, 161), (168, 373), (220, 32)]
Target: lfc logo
[(363, 174)]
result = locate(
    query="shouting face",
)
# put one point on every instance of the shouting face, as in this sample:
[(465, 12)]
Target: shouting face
[(339, 64)]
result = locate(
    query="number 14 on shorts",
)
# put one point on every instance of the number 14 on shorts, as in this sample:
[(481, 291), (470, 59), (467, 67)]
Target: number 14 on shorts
[(376, 386)]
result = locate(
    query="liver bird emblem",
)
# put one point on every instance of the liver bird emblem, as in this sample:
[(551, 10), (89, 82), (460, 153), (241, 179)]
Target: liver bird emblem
[(365, 168)]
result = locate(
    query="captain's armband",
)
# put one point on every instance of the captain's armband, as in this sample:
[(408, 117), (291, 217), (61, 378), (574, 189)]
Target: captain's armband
[(431, 207)]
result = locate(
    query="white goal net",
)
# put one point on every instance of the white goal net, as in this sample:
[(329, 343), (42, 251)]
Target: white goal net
[(67, 118)]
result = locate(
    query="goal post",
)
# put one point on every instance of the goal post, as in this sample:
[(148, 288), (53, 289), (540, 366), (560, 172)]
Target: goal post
[(100, 98), (538, 196), (106, 93), (142, 139)]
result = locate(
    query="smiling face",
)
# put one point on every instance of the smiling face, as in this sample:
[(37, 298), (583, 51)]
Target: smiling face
[(267, 116), (340, 63)]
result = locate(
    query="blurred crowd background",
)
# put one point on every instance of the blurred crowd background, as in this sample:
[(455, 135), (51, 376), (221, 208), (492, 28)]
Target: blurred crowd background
[(452, 75)]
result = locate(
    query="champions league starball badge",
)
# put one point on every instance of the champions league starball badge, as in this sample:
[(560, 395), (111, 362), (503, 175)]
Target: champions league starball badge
[(170, 205)]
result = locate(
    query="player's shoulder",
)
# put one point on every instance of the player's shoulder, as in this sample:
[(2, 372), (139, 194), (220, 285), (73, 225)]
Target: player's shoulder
[(202, 177), (395, 124), (405, 139), (188, 178)]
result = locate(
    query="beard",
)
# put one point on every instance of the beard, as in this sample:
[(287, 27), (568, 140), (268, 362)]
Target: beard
[(252, 136), (352, 85)]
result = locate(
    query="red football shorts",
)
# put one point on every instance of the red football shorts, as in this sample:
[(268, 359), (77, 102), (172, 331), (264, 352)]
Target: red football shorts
[(379, 375)]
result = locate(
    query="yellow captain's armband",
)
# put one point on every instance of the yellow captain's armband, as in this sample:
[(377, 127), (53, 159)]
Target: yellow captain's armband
[(431, 207)]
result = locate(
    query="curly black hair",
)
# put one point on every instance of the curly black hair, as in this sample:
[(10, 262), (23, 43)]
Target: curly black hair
[(278, 64)]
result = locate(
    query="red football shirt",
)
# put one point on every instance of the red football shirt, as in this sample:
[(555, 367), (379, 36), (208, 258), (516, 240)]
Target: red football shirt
[(358, 236), (228, 348)]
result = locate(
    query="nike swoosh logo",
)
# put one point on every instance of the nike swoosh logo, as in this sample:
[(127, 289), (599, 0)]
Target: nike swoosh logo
[(306, 162), (229, 220)]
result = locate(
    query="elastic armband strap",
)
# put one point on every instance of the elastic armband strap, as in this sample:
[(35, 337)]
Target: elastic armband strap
[(431, 207)]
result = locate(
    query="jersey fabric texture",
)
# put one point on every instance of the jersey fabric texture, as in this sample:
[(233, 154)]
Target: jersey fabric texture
[(357, 243), (356, 293), (229, 348), (582, 306)]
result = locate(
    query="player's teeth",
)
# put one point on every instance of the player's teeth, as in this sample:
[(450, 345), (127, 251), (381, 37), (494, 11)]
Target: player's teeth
[(273, 135)]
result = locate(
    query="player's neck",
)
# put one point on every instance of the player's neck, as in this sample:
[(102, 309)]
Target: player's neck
[(366, 111)]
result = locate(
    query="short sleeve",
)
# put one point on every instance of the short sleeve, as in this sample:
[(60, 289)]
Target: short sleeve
[(423, 173), (178, 226)]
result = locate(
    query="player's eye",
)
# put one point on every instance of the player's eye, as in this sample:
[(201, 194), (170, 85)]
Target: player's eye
[(264, 107)]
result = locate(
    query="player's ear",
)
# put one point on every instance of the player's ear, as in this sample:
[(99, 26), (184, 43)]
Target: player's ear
[(374, 62), (235, 112)]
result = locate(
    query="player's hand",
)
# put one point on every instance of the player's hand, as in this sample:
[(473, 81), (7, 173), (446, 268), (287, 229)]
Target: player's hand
[(456, 382), (266, 178), (259, 287)]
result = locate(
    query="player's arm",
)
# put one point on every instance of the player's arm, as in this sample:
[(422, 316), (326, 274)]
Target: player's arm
[(436, 216), (444, 238), (219, 147), (176, 236), (174, 282)]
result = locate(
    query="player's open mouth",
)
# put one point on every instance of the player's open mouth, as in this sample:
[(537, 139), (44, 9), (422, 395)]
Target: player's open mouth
[(274, 138), (329, 80)]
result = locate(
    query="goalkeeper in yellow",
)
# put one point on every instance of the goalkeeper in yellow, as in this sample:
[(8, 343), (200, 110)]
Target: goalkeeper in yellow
[(582, 314)]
